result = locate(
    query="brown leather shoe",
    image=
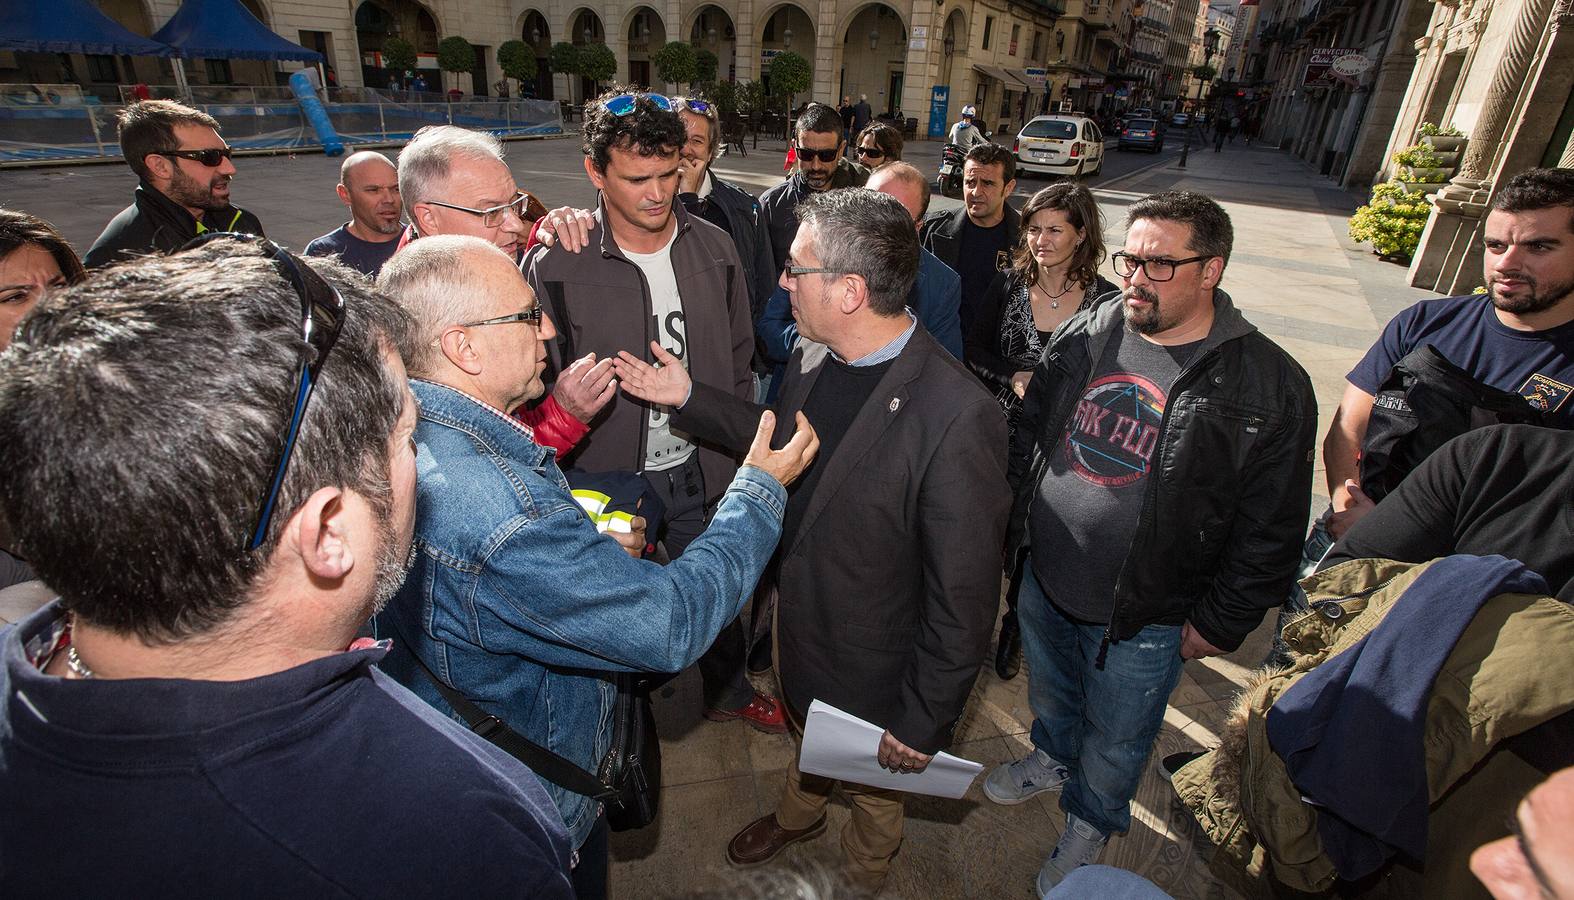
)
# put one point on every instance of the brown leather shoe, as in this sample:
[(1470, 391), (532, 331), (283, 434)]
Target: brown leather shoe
[(764, 838)]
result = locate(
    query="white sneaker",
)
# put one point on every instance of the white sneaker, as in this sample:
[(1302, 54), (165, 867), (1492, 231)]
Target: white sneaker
[(1017, 782), (1079, 845)]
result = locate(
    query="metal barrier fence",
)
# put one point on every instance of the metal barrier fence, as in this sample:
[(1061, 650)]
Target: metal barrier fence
[(82, 128)]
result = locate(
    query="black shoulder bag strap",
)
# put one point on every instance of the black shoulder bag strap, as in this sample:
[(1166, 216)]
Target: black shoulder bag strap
[(542, 761)]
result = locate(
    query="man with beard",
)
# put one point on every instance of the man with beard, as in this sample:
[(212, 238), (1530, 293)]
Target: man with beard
[(1519, 337), (822, 166), (183, 169), (198, 684), (976, 238), (369, 186), (515, 598), (1134, 566)]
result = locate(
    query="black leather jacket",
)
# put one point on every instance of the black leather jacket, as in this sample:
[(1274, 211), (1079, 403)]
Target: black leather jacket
[(746, 226), (1226, 507)]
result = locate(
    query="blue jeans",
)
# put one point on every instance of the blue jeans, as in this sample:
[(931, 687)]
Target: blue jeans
[(1105, 883), (1098, 722)]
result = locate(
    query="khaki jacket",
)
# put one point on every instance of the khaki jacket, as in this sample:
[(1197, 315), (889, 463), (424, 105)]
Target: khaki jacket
[(1495, 684)]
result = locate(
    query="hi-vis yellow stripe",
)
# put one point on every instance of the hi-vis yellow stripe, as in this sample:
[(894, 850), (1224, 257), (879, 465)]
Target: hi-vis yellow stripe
[(594, 503)]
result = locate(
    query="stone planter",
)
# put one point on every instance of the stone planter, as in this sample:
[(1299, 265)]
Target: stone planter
[(1426, 176), (1448, 160), (1441, 143), (1424, 187)]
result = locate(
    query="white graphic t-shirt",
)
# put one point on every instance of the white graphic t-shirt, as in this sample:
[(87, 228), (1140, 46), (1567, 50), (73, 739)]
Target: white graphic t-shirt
[(664, 448)]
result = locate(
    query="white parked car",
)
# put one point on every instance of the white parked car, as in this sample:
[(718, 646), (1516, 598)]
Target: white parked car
[(1060, 145)]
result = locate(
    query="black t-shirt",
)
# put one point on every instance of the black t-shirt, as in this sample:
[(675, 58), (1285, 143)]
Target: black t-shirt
[(365, 257), (1504, 489), (832, 405), (982, 253), (1085, 513)]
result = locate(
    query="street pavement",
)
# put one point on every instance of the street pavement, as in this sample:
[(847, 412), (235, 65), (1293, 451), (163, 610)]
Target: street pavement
[(1295, 273)]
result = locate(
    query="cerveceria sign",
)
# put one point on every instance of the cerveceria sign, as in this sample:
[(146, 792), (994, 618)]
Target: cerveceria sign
[(1331, 67)]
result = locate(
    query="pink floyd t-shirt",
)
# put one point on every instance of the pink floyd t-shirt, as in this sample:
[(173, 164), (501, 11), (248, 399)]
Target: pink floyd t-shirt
[(1085, 512)]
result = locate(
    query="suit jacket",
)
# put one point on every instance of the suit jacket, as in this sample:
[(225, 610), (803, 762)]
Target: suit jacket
[(889, 587), (941, 233)]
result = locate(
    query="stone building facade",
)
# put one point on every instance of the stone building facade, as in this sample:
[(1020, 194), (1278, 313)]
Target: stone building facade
[(1502, 72)]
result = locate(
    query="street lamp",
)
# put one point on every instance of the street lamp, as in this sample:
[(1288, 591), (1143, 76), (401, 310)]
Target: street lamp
[(949, 44), (787, 38), (874, 38)]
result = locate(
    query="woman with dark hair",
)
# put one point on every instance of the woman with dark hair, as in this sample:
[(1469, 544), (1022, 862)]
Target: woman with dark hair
[(1053, 276), (878, 144), (33, 258)]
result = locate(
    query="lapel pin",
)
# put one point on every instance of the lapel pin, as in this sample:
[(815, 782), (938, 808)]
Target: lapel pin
[(895, 403)]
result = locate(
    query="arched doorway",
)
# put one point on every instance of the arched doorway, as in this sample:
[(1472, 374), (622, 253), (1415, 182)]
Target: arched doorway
[(378, 20), (713, 30), (133, 15), (874, 57), (645, 34), (585, 27), (787, 27), (537, 35)]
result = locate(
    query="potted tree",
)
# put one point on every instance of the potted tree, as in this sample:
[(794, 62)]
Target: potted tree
[(789, 74), (597, 63), (517, 61), (707, 65), (674, 63), (398, 57), (455, 55), (1392, 222), (565, 59)]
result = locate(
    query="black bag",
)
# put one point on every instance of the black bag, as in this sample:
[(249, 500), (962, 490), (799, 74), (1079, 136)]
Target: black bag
[(1424, 402), (629, 778)]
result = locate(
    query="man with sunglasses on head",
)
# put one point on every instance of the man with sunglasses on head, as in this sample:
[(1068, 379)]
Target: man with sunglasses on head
[(820, 146), (722, 203), (454, 181), (1162, 475), (198, 690), (656, 272), (183, 173)]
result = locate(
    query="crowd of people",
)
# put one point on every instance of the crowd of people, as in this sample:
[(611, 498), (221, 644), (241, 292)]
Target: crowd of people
[(376, 604)]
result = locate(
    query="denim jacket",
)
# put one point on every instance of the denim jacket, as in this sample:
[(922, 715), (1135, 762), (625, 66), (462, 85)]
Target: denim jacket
[(517, 601)]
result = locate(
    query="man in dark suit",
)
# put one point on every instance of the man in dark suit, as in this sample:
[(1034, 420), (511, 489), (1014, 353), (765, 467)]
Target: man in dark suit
[(888, 569)]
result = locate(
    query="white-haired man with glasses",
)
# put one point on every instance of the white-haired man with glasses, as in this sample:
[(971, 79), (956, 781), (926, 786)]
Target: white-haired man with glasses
[(454, 181), (1162, 474)]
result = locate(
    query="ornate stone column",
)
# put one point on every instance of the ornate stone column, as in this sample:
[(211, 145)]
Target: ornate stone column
[(1449, 243)]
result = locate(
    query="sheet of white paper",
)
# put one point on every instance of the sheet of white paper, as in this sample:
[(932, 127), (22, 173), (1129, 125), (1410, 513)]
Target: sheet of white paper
[(845, 747)]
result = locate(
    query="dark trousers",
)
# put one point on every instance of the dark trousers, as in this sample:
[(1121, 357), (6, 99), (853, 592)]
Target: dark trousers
[(682, 490), (590, 875)]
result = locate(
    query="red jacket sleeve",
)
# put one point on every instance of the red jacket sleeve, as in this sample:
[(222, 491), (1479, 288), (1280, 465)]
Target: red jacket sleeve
[(554, 426)]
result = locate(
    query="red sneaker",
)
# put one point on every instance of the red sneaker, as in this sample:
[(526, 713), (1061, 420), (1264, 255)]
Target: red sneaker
[(763, 713)]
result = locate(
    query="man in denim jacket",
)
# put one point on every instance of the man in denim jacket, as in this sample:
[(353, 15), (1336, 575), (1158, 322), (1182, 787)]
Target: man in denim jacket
[(514, 598)]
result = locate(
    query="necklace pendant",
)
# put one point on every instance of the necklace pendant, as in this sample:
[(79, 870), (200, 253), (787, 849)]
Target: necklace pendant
[(1054, 304)]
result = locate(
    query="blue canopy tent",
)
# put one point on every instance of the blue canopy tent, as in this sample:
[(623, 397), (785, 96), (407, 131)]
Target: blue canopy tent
[(70, 26), (224, 29)]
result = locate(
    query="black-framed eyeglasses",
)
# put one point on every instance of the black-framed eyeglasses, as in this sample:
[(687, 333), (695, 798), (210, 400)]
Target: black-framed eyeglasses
[(322, 316), (531, 315), (1157, 269), (623, 104), (821, 155), (211, 158), (872, 152), (492, 216), (792, 271)]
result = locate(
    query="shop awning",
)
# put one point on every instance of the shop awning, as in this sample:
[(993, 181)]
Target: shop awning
[(1004, 76), (70, 26), (224, 29)]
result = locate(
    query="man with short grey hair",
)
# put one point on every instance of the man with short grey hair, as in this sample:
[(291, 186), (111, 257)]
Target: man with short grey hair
[(369, 186), (888, 572), (515, 598), (454, 181)]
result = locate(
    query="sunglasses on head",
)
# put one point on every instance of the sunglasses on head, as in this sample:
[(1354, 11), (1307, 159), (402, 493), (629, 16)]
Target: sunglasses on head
[(822, 155), (623, 104), (322, 316), (693, 105), (210, 158)]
